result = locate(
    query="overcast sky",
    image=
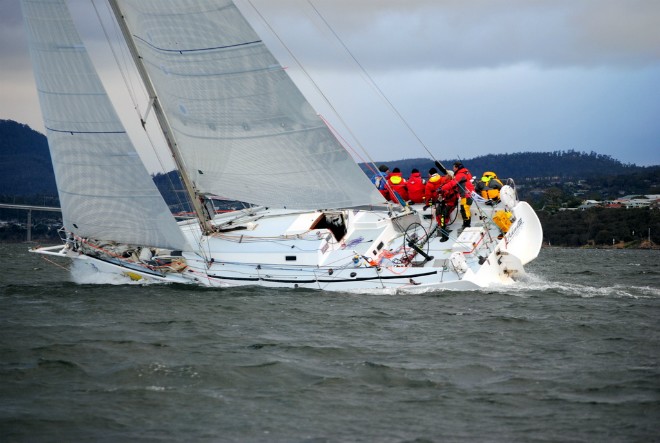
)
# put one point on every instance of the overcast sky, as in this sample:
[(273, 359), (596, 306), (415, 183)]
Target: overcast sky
[(464, 77)]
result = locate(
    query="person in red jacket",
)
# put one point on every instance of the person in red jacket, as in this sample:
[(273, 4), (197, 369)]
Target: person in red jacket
[(447, 201), (432, 186), (398, 185), (463, 185), (416, 187)]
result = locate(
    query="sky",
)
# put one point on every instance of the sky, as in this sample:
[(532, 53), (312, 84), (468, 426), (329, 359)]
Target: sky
[(429, 78)]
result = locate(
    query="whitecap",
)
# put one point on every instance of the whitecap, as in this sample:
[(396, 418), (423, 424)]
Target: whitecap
[(84, 273)]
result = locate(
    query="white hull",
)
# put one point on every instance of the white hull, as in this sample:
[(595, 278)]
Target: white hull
[(369, 251)]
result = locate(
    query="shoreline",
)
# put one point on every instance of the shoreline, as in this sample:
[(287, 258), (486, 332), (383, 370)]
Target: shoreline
[(643, 245)]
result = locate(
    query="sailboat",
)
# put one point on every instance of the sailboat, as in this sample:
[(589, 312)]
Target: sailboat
[(229, 111)]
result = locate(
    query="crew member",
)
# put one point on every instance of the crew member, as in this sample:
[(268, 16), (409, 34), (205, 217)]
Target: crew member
[(433, 185), (447, 201), (489, 187), (398, 185), (380, 180), (462, 182), (416, 187)]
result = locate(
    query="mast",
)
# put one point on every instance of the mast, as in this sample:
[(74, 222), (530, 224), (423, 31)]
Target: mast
[(189, 186)]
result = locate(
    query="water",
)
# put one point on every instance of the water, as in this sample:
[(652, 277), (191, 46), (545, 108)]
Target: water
[(571, 355)]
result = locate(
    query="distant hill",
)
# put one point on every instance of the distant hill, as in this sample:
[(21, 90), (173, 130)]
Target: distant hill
[(561, 164), (26, 169), (25, 165)]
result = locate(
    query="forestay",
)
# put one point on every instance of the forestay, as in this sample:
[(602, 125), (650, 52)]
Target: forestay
[(243, 128), (105, 191)]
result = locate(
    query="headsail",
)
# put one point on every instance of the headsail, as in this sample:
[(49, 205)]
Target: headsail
[(105, 191), (243, 128)]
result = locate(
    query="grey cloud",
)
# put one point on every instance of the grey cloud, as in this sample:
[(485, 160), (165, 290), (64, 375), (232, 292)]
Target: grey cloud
[(13, 44), (458, 34)]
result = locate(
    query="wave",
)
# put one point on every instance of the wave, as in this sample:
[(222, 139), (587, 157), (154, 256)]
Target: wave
[(83, 274), (532, 284)]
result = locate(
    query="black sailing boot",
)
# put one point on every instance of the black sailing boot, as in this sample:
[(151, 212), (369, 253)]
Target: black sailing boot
[(444, 234)]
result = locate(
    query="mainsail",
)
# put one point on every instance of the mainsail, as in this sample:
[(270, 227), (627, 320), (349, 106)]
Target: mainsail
[(243, 128), (105, 191)]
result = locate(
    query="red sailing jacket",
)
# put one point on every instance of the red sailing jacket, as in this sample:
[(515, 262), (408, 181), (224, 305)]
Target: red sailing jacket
[(398, 185), (462, 182), (432, 187), (449, 196), (416, 188)]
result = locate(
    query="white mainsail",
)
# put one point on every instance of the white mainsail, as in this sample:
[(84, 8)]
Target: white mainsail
[(105, 191), (243, 128)]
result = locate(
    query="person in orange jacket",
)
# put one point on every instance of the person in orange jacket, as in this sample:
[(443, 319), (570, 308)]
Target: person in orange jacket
[(416, 187), (398, 184)]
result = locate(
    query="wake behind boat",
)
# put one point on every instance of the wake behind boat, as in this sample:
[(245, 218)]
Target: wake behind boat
[(227, 108)]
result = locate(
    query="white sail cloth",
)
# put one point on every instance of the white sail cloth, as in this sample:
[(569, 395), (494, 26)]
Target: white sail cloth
[(105, 191), (244, 129)]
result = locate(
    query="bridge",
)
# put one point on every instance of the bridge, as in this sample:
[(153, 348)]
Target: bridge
[(29, 209)]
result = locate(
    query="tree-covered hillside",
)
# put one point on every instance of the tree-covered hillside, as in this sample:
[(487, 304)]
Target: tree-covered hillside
[(560, 164), (600, 226), (25, 165)]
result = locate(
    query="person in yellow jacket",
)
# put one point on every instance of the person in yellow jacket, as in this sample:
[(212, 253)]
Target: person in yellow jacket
[(489, 186)]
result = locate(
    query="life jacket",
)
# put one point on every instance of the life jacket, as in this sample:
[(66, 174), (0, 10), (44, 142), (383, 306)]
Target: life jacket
[(489, 186), (398, 185), (416, 188)]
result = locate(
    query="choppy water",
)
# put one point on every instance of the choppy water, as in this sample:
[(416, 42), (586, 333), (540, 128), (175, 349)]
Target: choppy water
[(571, 355)]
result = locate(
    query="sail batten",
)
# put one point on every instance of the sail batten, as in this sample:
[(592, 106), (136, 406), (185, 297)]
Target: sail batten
[(235, 113), (105, 191), (69, 131), (215, 48)]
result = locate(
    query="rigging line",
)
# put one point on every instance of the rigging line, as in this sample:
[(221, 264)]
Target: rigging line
[(345, 142), (114, 55), (123, 64), (371, 80), (369, 164), (123, 69), (182, 204), (54, 263), (316, 86), (124, 55)]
